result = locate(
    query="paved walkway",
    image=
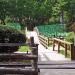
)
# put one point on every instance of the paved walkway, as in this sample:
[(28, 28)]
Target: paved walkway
[(50, 58), (57, 72), (46, 54)]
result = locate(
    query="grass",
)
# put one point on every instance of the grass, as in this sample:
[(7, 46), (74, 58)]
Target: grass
[(23, 49), (63, 52)]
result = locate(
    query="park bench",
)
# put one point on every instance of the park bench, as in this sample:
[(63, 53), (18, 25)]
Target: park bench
[(15, 62)]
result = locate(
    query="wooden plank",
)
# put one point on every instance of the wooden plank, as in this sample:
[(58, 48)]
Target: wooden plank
[(18, 56), (44, 41), (12, 44), (70, 66), (14, 64), (15, 68), (4, 70), (62, 41)]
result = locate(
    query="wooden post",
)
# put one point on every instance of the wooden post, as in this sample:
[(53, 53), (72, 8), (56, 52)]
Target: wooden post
[(31, 40), (72, 52), (59, 47), (48, 41), (65, 50), (34, 50), (53, 44), (34, 62)]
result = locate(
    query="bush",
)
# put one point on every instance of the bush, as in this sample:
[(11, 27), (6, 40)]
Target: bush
[(70, 37), (14, 25), (10, 35)]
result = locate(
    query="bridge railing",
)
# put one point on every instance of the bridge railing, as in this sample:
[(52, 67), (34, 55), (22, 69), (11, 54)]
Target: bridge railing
[(66, 45), (9, 61)]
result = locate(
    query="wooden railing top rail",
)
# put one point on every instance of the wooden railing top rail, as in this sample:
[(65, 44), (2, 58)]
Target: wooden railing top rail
[(9, 67), (19, 71), (18, 56), (42, 37), (62, 41), (13, 44)]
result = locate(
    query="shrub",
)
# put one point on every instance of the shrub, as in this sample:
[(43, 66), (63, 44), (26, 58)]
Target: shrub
[(8, 19), (14, 25), (10, 35), (70, 37)]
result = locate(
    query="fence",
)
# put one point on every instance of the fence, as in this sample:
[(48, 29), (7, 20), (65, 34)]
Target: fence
[(11, 66), (45, 41), (66, 45)]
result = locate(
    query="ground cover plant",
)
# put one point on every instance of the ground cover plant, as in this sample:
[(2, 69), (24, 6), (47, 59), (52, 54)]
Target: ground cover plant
[(23, 49)]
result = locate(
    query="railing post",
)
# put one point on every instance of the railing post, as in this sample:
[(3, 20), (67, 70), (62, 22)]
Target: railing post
[(53, 45), (72, 52), (48, 41), (34, 62), (31, 40), (58, 46), (65, 50), (34, 51)]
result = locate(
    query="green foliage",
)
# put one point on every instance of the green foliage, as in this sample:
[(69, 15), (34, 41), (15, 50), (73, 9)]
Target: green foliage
[(67, 16), (58, 7), (10, 35), (32, 10), (14, 25), (8, 20), (37, 11), (23, 49), (70, 37), (53, 19), (63, 53)]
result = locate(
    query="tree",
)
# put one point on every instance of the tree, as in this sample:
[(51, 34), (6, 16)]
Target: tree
[(37, 11), (59, 8)]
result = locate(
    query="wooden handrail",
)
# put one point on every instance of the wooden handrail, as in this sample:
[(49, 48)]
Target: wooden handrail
[(62, 41), (13, 44), (43, 40), (17, 56), (5, 69)]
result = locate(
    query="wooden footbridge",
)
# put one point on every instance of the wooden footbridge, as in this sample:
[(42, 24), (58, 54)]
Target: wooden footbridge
[(32, 66), (60, 43)]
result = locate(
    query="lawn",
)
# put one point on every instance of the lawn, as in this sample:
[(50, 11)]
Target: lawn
[(23, 49)]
